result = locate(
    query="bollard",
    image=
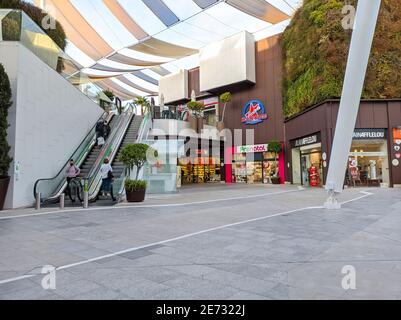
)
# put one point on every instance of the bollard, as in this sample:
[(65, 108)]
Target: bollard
[(37, 205), (62, 201), (86, 199)]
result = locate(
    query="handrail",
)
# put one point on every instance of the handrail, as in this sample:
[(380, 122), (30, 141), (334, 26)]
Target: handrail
[(81, 157)]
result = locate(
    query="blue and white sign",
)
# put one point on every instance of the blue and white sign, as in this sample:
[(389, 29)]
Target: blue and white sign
[(254, 113)]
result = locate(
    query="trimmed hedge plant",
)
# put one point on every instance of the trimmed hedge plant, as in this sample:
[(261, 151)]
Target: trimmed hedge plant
[(37, 14), (135, 185), (315, 49), (5, 104)]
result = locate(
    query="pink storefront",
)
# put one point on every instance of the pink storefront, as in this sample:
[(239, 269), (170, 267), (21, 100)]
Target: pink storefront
[(254, 164)]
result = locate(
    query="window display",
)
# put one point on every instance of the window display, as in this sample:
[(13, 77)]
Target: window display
[(369, 158), (252, 168), (200, 170)]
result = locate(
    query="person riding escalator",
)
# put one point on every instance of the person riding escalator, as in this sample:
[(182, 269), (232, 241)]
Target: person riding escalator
[(72, 173), (107, 180)]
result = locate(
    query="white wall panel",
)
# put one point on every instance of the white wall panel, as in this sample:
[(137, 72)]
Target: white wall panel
[(174, 87), (49, 119), (227, 62)]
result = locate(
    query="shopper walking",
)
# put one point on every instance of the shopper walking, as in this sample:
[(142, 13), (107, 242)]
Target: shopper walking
[(72, 172), (107, 179)]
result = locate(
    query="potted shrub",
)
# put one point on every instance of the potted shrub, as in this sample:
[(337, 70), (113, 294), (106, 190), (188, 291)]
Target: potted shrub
[(5, 159), (135, 190), (196, 120), (224, 98), (275, 147), (135, 155)]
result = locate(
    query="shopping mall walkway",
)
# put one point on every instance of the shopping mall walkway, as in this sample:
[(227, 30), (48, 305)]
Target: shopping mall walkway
[(236, 242)]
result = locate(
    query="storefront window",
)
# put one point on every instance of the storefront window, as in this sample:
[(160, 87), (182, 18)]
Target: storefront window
[(200, 170), (368, 163)]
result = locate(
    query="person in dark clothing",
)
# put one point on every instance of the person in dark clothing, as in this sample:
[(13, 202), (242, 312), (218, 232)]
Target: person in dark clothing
[(99, 130), (106, 130)]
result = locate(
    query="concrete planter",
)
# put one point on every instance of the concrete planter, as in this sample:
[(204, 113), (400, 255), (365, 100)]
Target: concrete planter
[(200, 124), (193, 123), (4, 182)]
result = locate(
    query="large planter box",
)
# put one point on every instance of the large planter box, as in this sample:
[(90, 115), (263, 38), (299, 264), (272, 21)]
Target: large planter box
[(136, 196), (4, 182), (276, 180)]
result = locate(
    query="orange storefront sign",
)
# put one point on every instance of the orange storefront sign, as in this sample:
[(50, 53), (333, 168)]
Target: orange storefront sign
[(397, 134)]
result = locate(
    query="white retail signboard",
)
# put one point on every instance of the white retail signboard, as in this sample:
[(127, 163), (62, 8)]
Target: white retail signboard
[(253, 148)]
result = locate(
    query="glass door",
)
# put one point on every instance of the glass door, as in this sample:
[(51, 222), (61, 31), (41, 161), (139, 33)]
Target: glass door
[(305, 165)]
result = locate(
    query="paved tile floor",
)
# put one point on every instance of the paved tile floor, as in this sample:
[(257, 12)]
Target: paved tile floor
[(210, 242)]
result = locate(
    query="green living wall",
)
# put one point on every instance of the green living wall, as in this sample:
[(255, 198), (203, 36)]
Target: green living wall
[(36, 14), (315, 49)]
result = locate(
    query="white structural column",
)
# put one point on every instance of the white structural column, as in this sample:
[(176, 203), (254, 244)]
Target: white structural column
[(361, 43)]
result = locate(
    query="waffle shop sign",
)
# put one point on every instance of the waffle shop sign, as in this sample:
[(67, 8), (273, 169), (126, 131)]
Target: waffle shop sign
[(253, 149)]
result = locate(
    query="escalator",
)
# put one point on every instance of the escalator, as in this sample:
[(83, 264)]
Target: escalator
[(89, 159), (93, 155)]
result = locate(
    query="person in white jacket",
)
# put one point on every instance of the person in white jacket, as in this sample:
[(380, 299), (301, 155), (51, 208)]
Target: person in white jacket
[(107, 178)]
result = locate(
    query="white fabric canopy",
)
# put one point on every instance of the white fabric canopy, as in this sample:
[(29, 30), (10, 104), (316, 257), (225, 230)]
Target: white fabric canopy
[(142, 40)]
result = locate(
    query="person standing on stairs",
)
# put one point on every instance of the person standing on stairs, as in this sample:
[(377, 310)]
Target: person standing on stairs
[(72, 172), (107, 179)]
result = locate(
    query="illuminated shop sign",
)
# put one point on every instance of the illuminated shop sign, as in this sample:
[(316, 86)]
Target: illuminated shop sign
[(254, 113), (369, 134), (253, 149), (306, 141)]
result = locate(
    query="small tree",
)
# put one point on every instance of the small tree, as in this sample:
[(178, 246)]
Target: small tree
[(275, 147), (5, 104), (196, 108), (225, 98), (144, 103), (136, 155)]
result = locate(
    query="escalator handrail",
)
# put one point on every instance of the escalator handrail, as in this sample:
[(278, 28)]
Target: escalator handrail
[(66, 164)]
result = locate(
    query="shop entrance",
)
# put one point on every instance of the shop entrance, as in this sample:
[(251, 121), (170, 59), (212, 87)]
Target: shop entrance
[(307, 163), (254, 168), (311, 166)]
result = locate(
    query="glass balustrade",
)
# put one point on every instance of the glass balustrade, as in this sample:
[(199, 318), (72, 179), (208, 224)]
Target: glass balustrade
[(16, 25)]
